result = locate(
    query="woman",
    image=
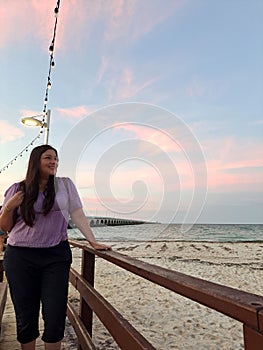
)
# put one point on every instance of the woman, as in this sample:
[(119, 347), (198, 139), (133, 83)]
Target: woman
[(37, 258)]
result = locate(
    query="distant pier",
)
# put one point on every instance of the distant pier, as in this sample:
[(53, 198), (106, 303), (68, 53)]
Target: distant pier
[(109, 221)]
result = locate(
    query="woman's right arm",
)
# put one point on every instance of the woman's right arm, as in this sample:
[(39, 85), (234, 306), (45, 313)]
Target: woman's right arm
[(7, 214)]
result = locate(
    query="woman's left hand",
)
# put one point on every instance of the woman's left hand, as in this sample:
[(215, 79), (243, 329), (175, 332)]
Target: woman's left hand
[(99, 246)]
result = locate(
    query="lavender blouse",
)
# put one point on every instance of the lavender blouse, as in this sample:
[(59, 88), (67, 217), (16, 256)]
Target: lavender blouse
[(48, 230)]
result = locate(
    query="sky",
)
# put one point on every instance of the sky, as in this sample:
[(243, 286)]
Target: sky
[(156, 106)]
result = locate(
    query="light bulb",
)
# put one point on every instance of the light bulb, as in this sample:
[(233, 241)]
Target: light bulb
[(56, 11)]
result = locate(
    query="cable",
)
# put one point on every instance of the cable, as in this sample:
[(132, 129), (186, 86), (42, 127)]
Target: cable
[(48, 87)]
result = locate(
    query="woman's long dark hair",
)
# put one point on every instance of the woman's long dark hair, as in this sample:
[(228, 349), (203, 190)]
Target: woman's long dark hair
[(30, 186)]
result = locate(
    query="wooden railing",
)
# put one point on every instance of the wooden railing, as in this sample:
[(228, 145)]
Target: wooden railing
[(3, 290), (241, 306)]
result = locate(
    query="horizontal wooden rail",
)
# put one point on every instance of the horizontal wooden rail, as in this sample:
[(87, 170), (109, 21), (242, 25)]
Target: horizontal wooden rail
[(121, 330), (84, 338), (239, 305)]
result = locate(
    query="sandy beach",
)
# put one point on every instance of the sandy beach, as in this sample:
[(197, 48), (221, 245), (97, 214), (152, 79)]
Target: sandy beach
[(168, 320)]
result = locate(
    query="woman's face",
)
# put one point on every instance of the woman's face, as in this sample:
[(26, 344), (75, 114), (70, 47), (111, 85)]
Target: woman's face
[(48, 163)]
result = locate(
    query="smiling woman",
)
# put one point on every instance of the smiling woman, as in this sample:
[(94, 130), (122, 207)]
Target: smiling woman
[(38, 256), (48, 166)]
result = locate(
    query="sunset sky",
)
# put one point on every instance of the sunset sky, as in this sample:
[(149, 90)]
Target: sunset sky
[(156, 105)]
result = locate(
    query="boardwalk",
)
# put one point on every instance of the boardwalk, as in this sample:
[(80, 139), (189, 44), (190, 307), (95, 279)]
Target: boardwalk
[(244, 307), (8, 337)]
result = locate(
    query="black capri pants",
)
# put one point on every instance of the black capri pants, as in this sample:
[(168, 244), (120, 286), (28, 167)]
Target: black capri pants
[(39, 276)]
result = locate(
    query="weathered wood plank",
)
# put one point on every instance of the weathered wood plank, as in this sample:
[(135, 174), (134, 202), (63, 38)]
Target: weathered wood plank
[(3, 296), (253, 339)]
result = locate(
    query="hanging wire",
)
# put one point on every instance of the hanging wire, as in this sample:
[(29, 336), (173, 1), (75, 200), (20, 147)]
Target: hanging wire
[(48, 87), (51, 61), (21, 153)]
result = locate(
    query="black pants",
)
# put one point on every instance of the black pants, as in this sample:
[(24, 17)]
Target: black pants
[(39, 276)]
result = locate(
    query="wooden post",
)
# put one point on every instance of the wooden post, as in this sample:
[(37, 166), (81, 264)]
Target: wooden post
[(253, 339), (88, 271)]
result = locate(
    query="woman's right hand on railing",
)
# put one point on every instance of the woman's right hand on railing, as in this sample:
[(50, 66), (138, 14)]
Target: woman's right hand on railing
[(100, 246)]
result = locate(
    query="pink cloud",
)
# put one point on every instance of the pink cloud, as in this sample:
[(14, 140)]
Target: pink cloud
[(30, 113), (119, 19), (154, 136), (219, 180), (27, 18), (75, 113), (231, 151), (121, 196), (128, 87), (122, 84), (125, 17), (233, 165), (160, 186), (8, 132)]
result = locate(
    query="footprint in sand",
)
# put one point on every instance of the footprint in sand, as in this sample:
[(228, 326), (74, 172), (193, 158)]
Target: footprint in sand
[(164, 248)]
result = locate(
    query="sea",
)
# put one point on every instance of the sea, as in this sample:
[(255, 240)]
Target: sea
[(175, 232)]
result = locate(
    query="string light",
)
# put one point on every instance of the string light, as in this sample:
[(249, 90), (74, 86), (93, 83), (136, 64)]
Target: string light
[(20, 154), (51, 60), (51, 49), (48, 87)]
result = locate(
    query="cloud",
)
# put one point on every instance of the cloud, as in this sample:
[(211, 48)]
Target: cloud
[(151, 135), (79, 22), (125, 17), (8, 132), (117, 19), (32, 18), (103, 67), (128, 86), (75, 113), (30, 113), (120, 81), (233, 165)]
